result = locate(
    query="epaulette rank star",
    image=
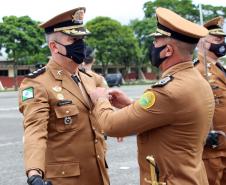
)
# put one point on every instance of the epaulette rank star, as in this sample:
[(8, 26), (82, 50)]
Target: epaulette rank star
[(195, 61), (36, 73), (163, 81)]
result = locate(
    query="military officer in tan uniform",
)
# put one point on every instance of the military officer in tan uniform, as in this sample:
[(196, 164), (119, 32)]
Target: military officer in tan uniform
[(63, 141), (171, 118), (210, 49)]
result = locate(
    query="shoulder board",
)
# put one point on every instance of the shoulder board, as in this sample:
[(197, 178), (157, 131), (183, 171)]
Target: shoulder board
[(36, 73), (163, 81), (83, 70), (195, 61)]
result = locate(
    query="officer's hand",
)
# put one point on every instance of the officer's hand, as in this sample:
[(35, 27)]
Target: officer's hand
[(99, 92), (119, 99), (212, 139), (37, 180)]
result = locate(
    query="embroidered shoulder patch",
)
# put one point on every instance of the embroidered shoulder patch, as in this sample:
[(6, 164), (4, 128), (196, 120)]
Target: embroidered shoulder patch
[(195, 61), (27, 93), (36, 73), (147, 100), (163, 81)]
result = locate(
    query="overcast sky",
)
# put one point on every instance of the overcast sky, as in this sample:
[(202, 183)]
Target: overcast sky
[(121, 10)]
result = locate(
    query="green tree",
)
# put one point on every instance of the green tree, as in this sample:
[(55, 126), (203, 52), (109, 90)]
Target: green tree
[(185, 8), (23, 41), (188, 10), (115, 44)]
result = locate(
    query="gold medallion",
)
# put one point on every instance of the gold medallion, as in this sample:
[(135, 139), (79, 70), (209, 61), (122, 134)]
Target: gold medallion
[(60, 96), (57, 89)]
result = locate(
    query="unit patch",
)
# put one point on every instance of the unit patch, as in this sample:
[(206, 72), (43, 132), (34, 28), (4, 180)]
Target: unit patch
[(147, 100), (28, 93)]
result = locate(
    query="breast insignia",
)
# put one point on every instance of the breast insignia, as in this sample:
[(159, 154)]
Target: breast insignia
[(36, 73), (195, 61), (163, 82)]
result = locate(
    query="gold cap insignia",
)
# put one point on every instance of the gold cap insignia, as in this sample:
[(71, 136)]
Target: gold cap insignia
[(78, 16)]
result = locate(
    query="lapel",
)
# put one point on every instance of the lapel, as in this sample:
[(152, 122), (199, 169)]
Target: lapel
[(220, 74), (88, 83), (67, 82), (212, 68)]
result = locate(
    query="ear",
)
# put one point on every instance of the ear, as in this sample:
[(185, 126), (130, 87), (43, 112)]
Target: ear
[(169, 50), (53, 47)]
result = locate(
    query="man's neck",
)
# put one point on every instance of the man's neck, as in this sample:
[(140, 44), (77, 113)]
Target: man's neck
[(66, 64), (173, 61)]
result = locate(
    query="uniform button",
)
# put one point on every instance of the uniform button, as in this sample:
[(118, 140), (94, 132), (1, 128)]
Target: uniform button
[(94, 128), (63, 172), (98, 156), (96, 141), (90, 112), (67, 112)]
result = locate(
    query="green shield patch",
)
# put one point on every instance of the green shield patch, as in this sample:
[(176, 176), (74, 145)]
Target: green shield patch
[(28, 93)]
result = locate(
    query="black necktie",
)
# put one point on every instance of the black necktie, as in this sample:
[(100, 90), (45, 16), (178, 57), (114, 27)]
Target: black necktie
[(75, 78), (221, 68)]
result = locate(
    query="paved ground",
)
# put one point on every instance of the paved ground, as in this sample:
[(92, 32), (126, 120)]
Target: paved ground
[(123, 167)]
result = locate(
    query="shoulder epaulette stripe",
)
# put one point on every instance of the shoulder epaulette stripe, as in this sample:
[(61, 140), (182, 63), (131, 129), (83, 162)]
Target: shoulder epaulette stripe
[(163, 82), (36, 73), (83, 70)]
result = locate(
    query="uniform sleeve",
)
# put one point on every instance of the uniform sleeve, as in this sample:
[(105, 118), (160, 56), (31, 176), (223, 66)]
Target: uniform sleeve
[(135, 118), (33, 104)]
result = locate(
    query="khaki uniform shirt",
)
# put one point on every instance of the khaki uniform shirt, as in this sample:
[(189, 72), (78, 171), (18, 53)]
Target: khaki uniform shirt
[(217, 81), (61, 135), (100, 81), (171, 120)]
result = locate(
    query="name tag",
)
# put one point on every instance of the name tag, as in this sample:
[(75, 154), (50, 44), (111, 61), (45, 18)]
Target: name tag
[(64, 102)]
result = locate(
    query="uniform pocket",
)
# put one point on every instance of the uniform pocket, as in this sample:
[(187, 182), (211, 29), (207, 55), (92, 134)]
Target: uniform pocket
[(58, 170), (67, 117)]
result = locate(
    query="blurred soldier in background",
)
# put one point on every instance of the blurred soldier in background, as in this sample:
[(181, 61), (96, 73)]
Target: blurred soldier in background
[(210, 49)]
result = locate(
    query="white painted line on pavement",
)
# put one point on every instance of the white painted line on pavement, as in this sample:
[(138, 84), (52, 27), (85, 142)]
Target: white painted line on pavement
[(124, 168), (9, 108), (10, 143)]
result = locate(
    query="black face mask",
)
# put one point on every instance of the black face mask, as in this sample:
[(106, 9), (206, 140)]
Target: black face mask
[(218, 49), (75, 51), (154, 55)]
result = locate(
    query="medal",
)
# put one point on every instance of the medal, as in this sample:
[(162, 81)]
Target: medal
[(67, 120), (60, 96), (57, 89)]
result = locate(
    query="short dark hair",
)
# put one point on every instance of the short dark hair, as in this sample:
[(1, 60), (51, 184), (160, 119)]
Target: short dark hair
[(89, 55)]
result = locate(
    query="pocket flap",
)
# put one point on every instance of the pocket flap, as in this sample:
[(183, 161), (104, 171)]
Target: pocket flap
[(63, 170), (66, 110)]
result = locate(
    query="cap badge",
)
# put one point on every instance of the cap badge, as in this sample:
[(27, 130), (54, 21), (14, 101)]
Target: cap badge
[(78, 16)]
